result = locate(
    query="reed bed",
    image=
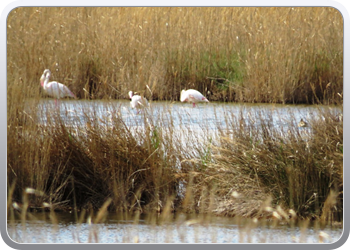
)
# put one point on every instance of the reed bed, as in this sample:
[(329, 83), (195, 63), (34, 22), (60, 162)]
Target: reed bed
[(270, 175), (84, 164), (251, 169), (258, 165), (246, 54), (248, 165)]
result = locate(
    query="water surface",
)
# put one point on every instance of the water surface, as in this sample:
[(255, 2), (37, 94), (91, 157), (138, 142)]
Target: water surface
[(210, 116), (181, 229)]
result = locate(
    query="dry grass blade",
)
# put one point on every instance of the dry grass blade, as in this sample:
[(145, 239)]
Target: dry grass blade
[(254, 54), (243, 54), (102, 211)]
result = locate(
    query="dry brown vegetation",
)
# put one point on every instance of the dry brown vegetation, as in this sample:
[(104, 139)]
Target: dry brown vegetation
[(255, 166), (286, 55), (238, 54)]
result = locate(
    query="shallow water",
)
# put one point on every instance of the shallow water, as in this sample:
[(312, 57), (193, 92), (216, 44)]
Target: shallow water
[(182, 229), (201, 111), (193, 127), (208, 117)]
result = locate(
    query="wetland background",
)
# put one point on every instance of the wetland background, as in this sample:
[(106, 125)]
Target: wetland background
[(98, 161)]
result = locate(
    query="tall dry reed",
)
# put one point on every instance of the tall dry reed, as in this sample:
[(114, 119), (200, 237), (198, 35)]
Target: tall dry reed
[(151, 167), (251, 54), (297, 168), (245, 54), (83, 164)]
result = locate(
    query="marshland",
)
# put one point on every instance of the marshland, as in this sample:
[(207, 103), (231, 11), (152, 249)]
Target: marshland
[(240, 161)]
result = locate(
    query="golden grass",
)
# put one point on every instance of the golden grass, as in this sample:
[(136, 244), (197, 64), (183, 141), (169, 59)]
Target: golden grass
[(245, 54), (252, 54), (299, 168), (152, 169)]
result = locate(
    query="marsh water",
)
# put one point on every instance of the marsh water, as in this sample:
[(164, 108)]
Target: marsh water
[(192, 126), (203, 117), (180, 229), (202, 121)]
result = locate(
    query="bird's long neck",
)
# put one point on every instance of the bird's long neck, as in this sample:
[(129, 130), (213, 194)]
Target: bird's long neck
[(47, 78)]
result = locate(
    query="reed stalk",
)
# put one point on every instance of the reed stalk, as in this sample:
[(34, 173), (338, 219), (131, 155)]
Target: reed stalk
[(286, 55), (247, 54)]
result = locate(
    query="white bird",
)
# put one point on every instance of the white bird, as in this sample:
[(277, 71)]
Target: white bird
[(55, 89), (137, 101), (192, 96), (42, 78)]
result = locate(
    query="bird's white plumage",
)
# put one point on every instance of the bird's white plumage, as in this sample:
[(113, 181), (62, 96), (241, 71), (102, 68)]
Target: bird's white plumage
[(137, 101), (192, 96), (43, 76), (55, 89)]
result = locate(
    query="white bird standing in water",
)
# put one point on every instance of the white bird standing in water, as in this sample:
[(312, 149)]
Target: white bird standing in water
[(192, 96), (137, 101), (55, 89)]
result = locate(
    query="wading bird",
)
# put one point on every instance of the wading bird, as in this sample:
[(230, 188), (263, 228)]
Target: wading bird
[(55, 89), (192, 96), (302, 123), (137, 101)]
